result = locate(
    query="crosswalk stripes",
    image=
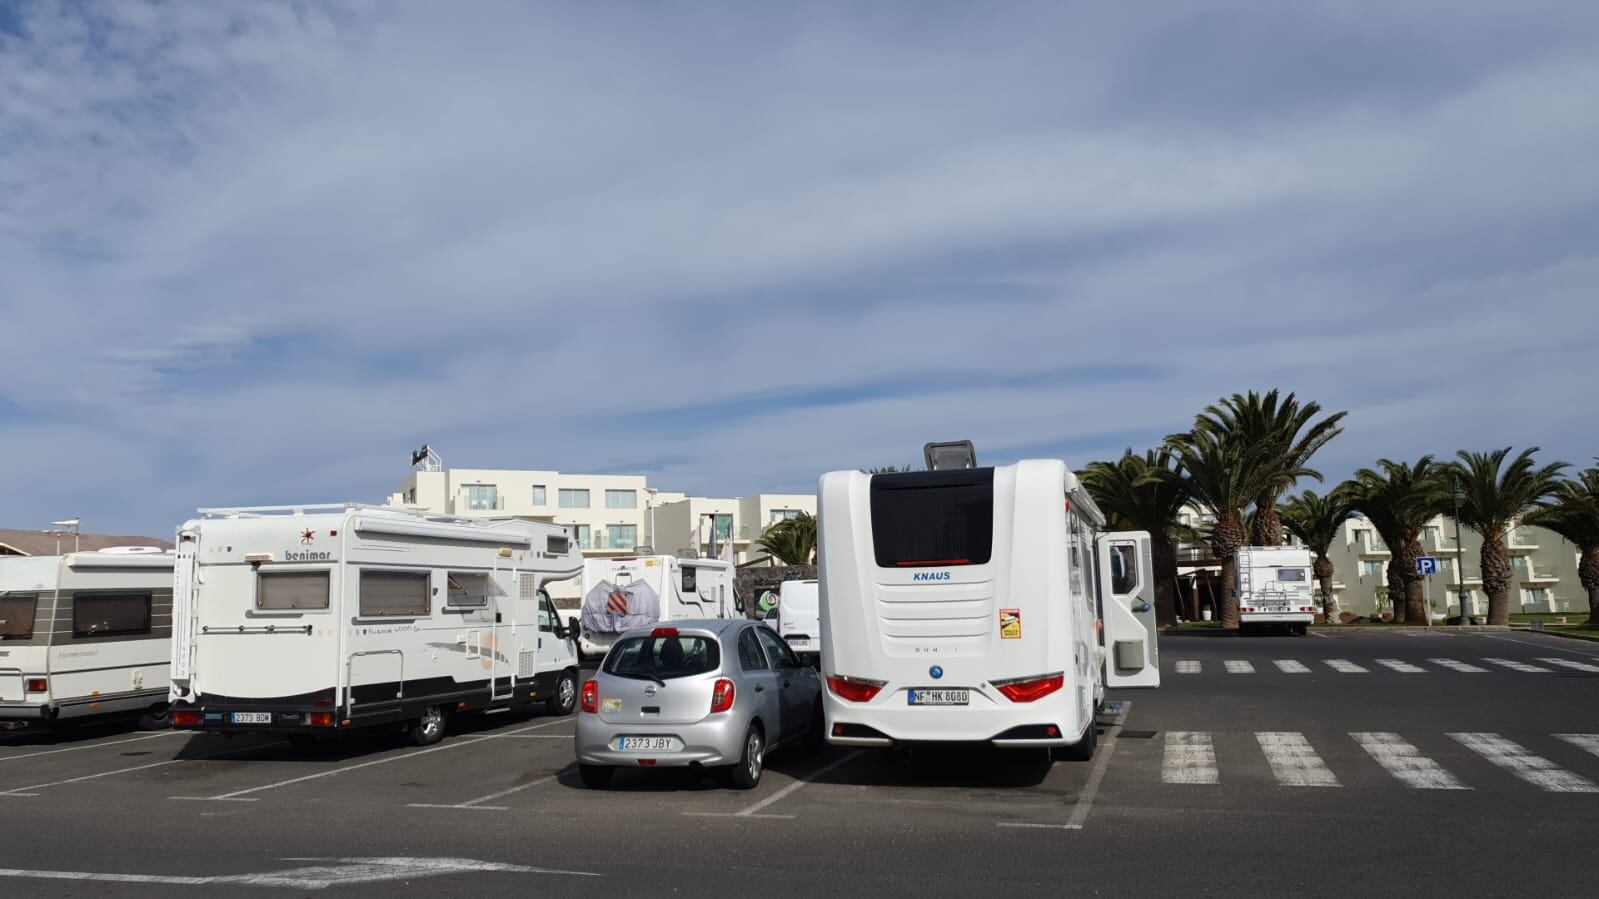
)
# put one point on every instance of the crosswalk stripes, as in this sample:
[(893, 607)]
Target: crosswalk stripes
[(1401, 666), (1534, 769), (1457, 665), (1514, 665), (1568, 663), (1294, 761), (1291, 666), (1189, 758), (1589, 742), (1344, 666), (1187, 666), (1239, 666), (1399, 758)]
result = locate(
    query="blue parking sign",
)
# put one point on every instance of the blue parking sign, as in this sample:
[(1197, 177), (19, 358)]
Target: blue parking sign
[(1426, 565)]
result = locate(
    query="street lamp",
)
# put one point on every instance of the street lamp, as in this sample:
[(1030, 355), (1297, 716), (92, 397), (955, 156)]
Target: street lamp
[(649, 502), (1460, 555)]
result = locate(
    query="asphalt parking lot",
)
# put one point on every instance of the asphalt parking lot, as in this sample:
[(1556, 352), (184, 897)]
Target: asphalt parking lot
[(1388, 763)]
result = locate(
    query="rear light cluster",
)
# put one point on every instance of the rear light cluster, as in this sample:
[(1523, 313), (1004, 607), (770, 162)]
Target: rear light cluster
[(591, 696), (722, 695), (664, 632), (38, 684), (181, 718), (1029, 689), (320, 719), (1245, 609), (1307, 608), (853, 689)]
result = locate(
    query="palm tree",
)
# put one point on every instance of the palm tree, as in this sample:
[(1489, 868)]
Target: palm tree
[(1145, 493), (792, 540), (1224, 473), (1293, 436), (1573, 513), (1495, 496), (1316, 520), (1399, 499)]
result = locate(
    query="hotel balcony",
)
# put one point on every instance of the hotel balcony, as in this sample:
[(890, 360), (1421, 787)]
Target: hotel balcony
[(1532, 575), (1520, 540)]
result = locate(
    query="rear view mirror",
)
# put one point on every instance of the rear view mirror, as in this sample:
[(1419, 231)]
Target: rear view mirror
[(573, 628)]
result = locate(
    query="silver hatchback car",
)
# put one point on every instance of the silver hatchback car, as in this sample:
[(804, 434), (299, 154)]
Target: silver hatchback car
[(707, 693)]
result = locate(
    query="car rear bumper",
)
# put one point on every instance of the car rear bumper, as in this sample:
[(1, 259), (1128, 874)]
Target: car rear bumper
[(711, 742), (1277, 617)]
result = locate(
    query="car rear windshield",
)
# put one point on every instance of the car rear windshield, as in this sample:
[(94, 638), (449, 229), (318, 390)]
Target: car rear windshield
[(663, 657), (933, 518)]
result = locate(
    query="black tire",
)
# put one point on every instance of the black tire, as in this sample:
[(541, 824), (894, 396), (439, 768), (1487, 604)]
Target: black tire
[(428, 729), (1082, 750), (816, 737), (1301, 629), (565, 698), (154, 718), (746, 775), (595, 777)]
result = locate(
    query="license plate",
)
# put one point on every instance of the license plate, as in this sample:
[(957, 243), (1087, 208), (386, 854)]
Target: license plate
[(799, 644), (939, 697), (251, 718), (648, 744)]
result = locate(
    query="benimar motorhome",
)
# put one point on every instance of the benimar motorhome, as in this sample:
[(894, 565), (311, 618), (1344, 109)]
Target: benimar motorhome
[(308, 620), (623, 593), (977, 604), (1274, 588), (85, 634)]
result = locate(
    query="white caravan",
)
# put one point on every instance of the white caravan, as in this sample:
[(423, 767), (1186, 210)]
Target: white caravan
[(636, 591), (1274, 587), (977, 604), (307, 620), (799, 618), (85, 634)]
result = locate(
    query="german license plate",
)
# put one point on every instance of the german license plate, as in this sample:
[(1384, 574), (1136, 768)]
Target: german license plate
[(251, 718), (939, 697), (648, 744)]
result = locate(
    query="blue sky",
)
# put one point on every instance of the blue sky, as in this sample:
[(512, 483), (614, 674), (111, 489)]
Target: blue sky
[(256, 253)]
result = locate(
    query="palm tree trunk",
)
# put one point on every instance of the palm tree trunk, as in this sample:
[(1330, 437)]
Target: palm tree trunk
[(1496, 578), (1164, 552), (1267, 528), (1324, 576), (1416, 611), (1588, 574), (1396, 589), (1226, 535)]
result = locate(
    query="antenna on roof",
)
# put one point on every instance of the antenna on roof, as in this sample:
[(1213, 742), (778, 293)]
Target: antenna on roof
[(954, 454), (425, 459)]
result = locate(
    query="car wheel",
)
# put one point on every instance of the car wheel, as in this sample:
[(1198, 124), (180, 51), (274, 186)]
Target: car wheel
[(1082, 750), (428, 729), (154, 718), (565, 698), (595, 777), (746, 775), (816, 737)]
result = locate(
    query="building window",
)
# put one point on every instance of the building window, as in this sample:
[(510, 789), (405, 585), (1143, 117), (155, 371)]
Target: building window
[(580, 535), (291, 591), (621, 499), (539, 498), (574, 499), (482, 497), (1537, 595), (724, 528), (395, 593), (622, 536), (110, 614), (784, 515), (1369, 568)]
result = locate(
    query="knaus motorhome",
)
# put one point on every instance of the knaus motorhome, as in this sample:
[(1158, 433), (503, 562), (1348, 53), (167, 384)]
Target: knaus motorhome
[(636, 591), (977, 604), (1274, 587), (308, 620), (85, 634)]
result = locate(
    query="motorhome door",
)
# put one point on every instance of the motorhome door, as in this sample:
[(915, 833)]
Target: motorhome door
[(1127, 598)]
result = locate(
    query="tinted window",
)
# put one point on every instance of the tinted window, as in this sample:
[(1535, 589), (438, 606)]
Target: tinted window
[(933, 518), (290, 590), (470, 588), (750, 657), (691, 579), (776, 649), (110, 614), (663, 657), (1291, 574), (16, 616), (1123, 568), (395, 593)]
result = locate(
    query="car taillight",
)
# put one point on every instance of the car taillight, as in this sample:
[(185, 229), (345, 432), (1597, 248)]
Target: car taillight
[(853, 689), (591, 696), (722, 695), (320, 719), (1246, 609), (1307, 608), (1028, 689), (184, 719), (664, 632), (38, 684)]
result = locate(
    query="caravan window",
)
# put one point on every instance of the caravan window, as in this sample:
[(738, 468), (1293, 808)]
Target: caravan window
[(1291, 574), (691, 577), (395, 593), (1123, 568), (292, 590), (16, 615), (933, 518), (470, 588), (110, 614)]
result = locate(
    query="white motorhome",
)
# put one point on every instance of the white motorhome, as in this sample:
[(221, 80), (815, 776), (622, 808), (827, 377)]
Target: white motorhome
[(634, 591), (85, 634), (799, 618), (1274, 588), (977, 604), (307, 620)]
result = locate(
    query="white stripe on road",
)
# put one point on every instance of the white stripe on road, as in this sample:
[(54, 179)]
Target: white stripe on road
[(1406, 763), (1514, 665), (25, 791), (168, 733), (1589, 742), (1567, 663), (1187, 666), (1459, 666), (1293, 760), (780, 794), (1401, 667), (1292, 666), (1189, 759), (477, 804), (1239, 666), (1344, 666), (1533, 769)]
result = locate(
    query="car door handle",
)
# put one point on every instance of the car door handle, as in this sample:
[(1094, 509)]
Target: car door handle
[(759, 688)]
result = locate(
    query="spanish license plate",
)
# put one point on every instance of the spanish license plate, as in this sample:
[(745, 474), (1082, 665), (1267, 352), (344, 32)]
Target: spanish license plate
[(647, 744), (251, 718), (938, 697), (799, 643)]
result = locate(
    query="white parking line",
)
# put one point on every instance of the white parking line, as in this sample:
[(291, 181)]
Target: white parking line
[(1406, 763), (1459, 666), (1344, 666), (1187, 666), (1534, 769), (1239, 666), (1589, 742), (1189, 758), (167, 733), (1514, 665), (1401, 666), (1294, 761), (1292, 666), (788, 790), (1567, 663), (24, 791), (477, 804)]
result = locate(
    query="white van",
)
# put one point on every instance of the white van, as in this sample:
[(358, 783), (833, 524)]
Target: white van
[(304, 621), (799, 618), (977, 604), (85, 634), (1274, 588), (636, 591)]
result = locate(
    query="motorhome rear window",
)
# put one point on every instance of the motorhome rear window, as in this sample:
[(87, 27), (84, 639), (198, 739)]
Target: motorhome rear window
[(926, 518), (110, 614), (395, 593), (16, 615), (1291, 574), (287, 591), (663, 657)]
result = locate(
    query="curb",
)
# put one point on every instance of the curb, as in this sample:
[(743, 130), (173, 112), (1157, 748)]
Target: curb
[(1583, 637)]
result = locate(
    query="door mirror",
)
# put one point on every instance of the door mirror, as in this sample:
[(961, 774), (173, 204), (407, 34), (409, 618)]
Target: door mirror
[(574, 628)]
